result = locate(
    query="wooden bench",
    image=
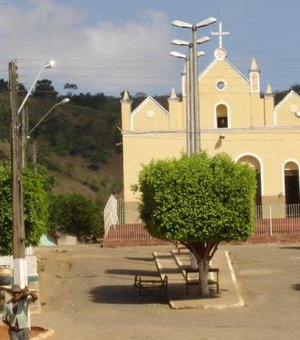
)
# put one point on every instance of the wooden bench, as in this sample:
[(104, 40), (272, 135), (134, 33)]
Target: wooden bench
[(147, 287), (179, 247), (187, 271)]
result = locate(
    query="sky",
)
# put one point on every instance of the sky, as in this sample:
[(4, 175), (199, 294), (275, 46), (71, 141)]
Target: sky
[(112, 45)]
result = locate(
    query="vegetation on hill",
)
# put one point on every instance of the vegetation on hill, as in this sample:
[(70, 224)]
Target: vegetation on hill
[(76, 142)]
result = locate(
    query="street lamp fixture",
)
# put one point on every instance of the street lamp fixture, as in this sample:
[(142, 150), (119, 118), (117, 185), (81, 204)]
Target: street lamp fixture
[(49, 64), (180, 42), (64, 101), (184, 56), (203, 40), (200, 53), (178, 55), (203, 23), (186, 43)]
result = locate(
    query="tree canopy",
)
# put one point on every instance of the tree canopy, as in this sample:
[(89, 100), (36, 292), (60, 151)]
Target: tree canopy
[(73, 213), (45, 89), (36, 188), (199, 201)]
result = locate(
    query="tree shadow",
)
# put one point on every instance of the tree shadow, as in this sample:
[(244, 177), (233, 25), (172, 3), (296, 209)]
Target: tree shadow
[(121, 295), (296, 286), (291, 247)]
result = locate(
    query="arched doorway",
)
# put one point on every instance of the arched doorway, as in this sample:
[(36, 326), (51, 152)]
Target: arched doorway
[(254, 163), (222, 116), (291, 183)]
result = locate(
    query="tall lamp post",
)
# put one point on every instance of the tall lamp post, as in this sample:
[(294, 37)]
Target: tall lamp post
[(190, 124), (19, 259), (49, 64), (195, 117)]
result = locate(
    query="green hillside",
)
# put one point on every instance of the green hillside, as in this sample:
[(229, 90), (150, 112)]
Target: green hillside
[(76, 143)]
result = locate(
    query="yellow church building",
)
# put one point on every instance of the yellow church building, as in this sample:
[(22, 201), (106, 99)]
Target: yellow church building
[(235, 116)]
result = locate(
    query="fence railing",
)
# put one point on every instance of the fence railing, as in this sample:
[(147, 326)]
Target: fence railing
[(129, 232), (277, 220), (283, 220)]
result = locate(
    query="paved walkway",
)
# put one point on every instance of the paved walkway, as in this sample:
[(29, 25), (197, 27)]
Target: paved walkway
[(169, 262)]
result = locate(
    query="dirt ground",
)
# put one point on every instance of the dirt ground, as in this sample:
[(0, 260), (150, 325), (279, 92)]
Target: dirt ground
[(4, 333), (86, 292)]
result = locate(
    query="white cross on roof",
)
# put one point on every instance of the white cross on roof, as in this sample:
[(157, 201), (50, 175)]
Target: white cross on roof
[(220, 33)]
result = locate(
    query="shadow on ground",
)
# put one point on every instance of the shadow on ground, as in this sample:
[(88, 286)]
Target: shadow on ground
[(121, 295), (291, 247), (296, 286)]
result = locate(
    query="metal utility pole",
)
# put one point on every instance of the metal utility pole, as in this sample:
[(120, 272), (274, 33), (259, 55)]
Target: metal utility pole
[(20, 266), (195, 141), (188, 106)]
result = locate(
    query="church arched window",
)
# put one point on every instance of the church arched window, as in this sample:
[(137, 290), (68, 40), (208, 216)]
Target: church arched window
[(222, 116)]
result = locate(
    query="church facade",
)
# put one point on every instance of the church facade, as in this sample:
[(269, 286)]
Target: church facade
[(235, 117)]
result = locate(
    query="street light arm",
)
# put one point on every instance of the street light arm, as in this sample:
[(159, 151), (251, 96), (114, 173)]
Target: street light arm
[(180, 42), (200, 53), (206, 22), (30, 90), (65, 100), (203, 40), (49, 64), (182, 24), (178, 55)]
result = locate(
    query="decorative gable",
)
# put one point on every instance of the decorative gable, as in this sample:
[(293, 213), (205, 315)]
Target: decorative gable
[(222, 84), (149, 116), (287, 111), (222, 69)]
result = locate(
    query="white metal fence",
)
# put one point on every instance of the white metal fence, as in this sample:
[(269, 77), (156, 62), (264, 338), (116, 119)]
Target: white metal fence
[(283, 220), (277, 220)]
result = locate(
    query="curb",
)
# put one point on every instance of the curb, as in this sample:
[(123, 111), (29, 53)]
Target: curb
[(241, 302)]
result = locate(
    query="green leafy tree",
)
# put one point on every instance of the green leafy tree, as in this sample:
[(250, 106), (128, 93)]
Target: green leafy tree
[(74, 213), (4, 85), (36, 189), (198, 201), (44, 89), (71, 88)]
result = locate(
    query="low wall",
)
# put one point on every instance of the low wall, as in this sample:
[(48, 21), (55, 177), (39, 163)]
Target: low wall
[(32, 268)]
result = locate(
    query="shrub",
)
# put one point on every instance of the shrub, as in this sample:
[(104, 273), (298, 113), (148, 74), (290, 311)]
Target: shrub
[(75, 214)]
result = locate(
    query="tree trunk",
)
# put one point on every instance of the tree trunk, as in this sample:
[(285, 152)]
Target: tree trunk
[(203, 279)]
